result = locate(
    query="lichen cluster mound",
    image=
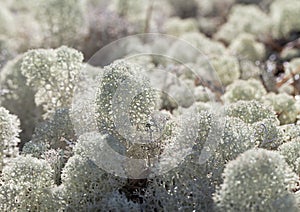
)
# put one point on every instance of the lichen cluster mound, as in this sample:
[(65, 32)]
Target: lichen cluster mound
[(130, 105)]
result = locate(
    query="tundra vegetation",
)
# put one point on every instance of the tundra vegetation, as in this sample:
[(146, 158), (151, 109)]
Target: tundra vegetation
[(100, 111)]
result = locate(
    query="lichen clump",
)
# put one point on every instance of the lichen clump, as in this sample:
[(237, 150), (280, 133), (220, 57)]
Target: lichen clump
[(257, 180), (130, 105), (244, 18), (251, 89), (9, 131), (53, 74), (119, 80)]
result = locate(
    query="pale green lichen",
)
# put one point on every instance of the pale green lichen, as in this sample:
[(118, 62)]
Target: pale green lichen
[(26, 185), (175, 91), (53, 74), (9, 137), (176, 26), (247, 48), (7, 26), (227, 68), (191, 182), (197, 45), (27, 33), (262, 119), (203, 94), (53, 140), (48, 23), (290, 132), (210, 8), (62, 22), (34, 149), (56, 158), (188, 148), (291, 153), (18, 97), (83, 109), (57, 132), (267, 134), (142, 15), (284, 19), (236, 138), (114, 201), (249, 69), (84, 184), (294, 65), (123, 83), (284, 106), (244, 18), (251, 89), (57, 161), (185, 184), (250, 111), (128, 8), (7, 50), (258, 180)]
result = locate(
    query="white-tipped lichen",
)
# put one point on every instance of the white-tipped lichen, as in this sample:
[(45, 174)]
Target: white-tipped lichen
[(237, 137), (291, 153), (53, 73), (134, 11), (251, 89), (250, 111), (7, 26), (62, 22), (258, 180), (249, 69), (9, 136), (155, 130), (18, 97), (176, 26), (83, 109), (262, 119), (227, 68), (114, 201), (34, 149), (123, 92), (184, 183), (290, 132), (246, 47), (197, 45), (244, 18), (267, 134), (284, 106), (57, 132), (84, 184), (284, 19), (203, 94), (26, 185), (210, 8)]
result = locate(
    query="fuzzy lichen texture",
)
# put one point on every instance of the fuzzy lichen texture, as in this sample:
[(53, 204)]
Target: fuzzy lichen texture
[(258, 180), (284, 19), (284, 105), (244, 18), (53, 73), (62, 22), (9, 132), (246, 90), (291, 153), (123, 93), (18, 97), (26, 185)]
